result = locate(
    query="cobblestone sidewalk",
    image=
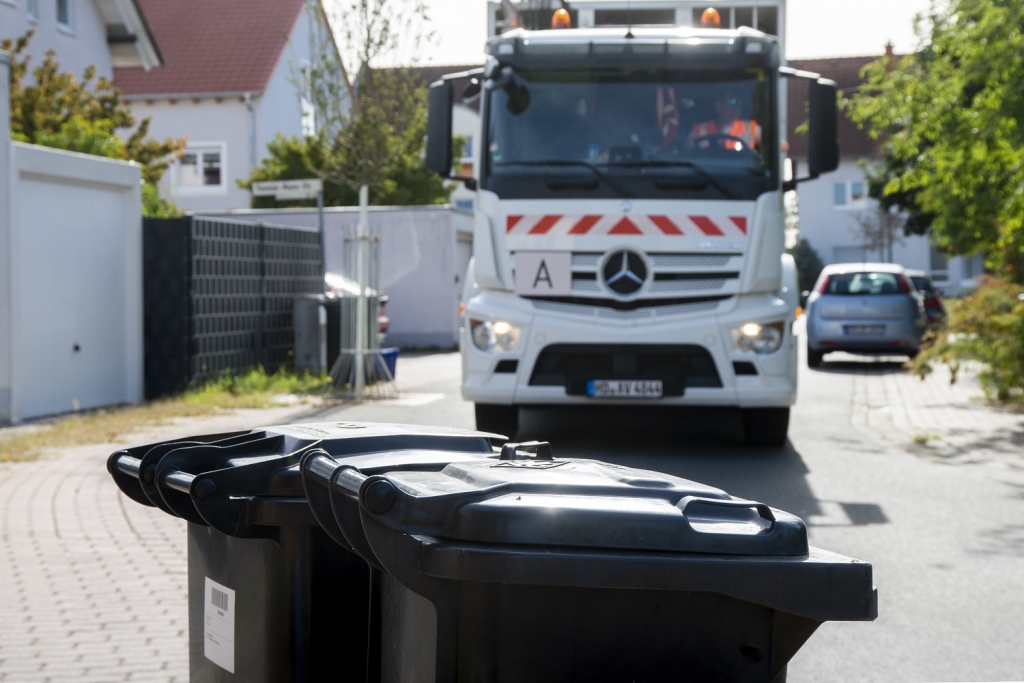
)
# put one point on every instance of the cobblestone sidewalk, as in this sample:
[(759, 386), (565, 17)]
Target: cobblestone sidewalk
[(93, 584), (932, 417)]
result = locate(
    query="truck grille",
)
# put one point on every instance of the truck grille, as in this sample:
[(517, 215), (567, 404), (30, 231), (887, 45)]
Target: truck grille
[(677, 365), (677, 278)]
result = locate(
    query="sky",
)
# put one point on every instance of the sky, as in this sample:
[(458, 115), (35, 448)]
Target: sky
[(816, 28)]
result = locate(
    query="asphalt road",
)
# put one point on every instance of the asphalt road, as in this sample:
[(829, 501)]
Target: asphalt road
[(946, 541)]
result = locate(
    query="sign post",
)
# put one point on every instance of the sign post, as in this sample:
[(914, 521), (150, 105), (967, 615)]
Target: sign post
[(362, 235), (307, 188)]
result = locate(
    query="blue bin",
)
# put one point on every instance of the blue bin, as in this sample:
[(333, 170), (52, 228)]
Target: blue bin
[(390, 357)]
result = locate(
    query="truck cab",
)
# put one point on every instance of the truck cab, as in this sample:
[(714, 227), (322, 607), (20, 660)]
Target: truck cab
[(628, 236)]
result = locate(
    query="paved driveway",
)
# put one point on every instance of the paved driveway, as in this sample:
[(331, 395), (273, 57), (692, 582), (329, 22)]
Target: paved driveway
[(94, 585)]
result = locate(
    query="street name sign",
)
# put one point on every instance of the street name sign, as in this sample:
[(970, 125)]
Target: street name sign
[(288, 189)]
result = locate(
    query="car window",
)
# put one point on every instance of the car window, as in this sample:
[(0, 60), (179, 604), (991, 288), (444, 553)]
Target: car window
[(861, 284), (921, 284)]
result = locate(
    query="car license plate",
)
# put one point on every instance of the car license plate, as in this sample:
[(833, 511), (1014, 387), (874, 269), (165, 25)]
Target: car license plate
[(864, 330), (631, 388)]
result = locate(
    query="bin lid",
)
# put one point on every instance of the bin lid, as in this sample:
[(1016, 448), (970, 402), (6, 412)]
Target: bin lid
[(576, 503)]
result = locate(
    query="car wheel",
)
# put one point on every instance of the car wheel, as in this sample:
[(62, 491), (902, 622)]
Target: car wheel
[(497, 419), (766, 426), (814, 358)]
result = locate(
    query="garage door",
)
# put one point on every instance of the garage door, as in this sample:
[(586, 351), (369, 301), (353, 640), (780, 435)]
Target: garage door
[(71, 297)]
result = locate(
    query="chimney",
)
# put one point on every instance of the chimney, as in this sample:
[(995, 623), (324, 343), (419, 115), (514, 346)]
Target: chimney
[(890, 57)]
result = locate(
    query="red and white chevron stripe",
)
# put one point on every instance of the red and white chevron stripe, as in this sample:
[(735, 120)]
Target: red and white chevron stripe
[(689, 226)]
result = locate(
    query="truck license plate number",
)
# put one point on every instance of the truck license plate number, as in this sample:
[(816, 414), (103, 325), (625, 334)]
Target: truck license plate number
[(633, 388)]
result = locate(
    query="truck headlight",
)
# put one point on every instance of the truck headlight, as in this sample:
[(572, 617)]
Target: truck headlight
[(759, 338), (491, 336)]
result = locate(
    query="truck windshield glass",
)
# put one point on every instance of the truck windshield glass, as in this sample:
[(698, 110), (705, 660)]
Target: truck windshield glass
[(643, 133)]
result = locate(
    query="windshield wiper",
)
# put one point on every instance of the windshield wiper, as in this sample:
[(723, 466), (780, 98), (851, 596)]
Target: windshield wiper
[(565, 162), (667, 163)]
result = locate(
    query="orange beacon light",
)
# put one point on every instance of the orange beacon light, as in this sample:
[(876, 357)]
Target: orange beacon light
[(561, 19), (710, 18)]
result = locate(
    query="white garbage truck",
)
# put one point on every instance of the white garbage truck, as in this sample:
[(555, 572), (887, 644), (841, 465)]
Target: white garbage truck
[(628, 243)]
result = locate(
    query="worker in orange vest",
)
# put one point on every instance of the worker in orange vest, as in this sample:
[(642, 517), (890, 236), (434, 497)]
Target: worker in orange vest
[(742, 134)]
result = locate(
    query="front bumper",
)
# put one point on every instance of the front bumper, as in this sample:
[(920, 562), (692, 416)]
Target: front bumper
[(487, 377)]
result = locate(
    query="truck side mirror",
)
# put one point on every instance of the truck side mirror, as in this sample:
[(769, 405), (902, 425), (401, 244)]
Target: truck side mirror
[(823, 140), (439, 129)]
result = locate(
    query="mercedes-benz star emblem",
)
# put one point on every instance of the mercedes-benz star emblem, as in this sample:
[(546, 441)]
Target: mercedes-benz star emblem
[(625, 272)]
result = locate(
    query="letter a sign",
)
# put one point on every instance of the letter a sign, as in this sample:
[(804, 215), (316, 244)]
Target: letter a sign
[(543, 273)]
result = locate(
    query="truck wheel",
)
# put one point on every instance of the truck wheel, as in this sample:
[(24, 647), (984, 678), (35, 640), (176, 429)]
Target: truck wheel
[(497, 419), (766, 426), (814, 358)]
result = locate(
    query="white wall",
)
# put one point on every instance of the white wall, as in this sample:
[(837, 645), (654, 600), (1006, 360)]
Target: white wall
[(5, 238), (225, 123), (73, 327), (85, 46), (421, 264), (832, 231), (278, 110)]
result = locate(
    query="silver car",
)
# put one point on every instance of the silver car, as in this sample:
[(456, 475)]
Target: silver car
[(864, 308)]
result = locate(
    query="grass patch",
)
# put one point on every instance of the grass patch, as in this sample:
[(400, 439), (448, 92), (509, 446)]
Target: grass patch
[(252, 389)]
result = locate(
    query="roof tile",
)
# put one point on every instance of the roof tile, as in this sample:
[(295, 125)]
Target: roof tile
[(212, 46)]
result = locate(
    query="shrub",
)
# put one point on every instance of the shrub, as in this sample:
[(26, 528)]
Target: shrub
[(988, 327)]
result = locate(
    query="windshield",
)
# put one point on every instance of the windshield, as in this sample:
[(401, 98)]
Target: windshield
[(862, 284), (653, 133)]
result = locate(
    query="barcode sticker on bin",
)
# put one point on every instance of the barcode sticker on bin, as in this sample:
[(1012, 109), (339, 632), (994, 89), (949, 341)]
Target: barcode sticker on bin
[(219, 625)]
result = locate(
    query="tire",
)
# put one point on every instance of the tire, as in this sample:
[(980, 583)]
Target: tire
[(497, 419), (766, 426), (814, 358)]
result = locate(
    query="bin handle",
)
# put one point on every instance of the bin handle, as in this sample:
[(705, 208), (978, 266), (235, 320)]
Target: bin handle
[(128, 465), (321, 466), (540, 449), (761, 508), (178, 480), (350, 479)]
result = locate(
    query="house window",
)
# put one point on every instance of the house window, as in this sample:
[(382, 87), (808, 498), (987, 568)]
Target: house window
[(32, 9), (764, 19), (850, 194), (65, 15), (201, 169), (635, 17), (839, 194), (938, 264)]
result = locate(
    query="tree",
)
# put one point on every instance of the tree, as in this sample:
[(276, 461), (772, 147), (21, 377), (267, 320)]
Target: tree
[(950, 115), (371, 119), (808, 264), (61, 111), (879, 229)]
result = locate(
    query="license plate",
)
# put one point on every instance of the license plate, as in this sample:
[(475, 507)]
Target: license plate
[(632, 388), (863, 330)]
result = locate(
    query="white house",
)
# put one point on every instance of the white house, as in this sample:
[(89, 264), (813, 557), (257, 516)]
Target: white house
[(228, 84), (830, 206), (107, 34)]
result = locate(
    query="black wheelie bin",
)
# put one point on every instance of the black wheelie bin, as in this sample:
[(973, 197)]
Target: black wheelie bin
[(532, 568), (272, 597)]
